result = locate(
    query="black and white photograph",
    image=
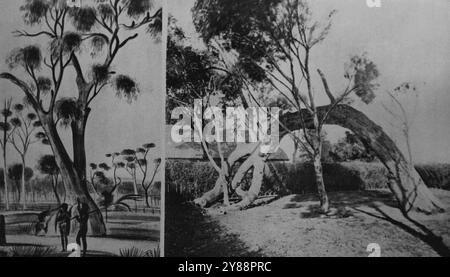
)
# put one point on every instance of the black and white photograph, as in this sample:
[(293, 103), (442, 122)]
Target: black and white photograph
[(80, 91), (301, 128), (236, 131)]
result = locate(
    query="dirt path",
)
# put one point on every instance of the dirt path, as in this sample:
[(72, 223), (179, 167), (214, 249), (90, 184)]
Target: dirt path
[(292, 226)]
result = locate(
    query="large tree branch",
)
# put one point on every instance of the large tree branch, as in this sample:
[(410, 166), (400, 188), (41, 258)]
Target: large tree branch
[(24, 87)]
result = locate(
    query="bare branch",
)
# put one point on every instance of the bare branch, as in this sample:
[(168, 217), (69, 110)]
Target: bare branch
[(325, 86), (23, 33)]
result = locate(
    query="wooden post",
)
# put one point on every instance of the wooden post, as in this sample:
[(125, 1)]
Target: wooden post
[(2, 230)]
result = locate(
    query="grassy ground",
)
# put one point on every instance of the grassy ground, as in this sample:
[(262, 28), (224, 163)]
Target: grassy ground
[(292, 226), (125, 230)]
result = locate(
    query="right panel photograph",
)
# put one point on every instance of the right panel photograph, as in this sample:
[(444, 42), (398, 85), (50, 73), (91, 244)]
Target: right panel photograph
[(299, 128)]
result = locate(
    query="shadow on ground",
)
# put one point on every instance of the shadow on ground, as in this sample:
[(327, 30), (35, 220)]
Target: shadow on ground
[(340, 201), (191, 233)]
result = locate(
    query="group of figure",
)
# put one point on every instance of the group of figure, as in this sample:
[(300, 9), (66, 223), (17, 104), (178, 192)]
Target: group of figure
[(63, 222)]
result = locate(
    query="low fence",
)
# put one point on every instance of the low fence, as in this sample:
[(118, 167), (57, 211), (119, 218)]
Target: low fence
[(15, 218)]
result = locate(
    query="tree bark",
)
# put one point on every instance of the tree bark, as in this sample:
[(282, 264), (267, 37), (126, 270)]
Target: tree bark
[(75, 185), (404, 181), (320, 184)]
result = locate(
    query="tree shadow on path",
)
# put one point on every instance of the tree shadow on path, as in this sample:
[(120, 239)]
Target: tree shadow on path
[(426, 235), (191, 233)]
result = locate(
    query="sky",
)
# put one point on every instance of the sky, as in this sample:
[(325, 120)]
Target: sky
[(409, 40), (114, 124)]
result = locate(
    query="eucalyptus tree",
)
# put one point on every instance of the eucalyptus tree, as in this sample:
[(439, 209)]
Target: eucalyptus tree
[(105, 28), (26, 133), (129, 157), (47, 165), (16, 172), (7, 131), (273, 45), (403, 109), (140, 159), (115, 165)]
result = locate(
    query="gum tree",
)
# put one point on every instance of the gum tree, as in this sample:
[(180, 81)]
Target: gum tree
[(129, 157), (47, 166), (25, 134), (7, 131), (273, 47), (141, 162), (17, 173), (115, 165), (105, 28), (402, 99)]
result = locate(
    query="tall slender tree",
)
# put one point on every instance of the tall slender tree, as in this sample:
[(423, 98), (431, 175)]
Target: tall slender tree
[(140, 159), (47, 165), (7, 131), (106, 27), (403, 109), (129, 156), (26, 126), (17, 173)]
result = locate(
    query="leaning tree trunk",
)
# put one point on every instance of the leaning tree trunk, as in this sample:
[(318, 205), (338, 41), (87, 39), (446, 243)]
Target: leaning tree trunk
[(75, 187), (404, 182), (248, 151), (79, 162)]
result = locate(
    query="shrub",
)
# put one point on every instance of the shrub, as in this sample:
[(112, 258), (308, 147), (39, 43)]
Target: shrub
[(31, 251), (191, 179), (139, 253)]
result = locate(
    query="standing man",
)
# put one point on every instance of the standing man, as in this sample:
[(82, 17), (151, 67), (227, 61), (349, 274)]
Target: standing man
[(63, 221), (82, 218)]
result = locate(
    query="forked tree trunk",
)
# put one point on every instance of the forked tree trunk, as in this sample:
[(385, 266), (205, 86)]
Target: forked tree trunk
[(75, 185), (253, 160), (404, 182)]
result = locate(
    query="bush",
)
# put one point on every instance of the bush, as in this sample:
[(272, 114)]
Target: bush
[(31, 251), (300, 178), (191, 179), (139, 253)]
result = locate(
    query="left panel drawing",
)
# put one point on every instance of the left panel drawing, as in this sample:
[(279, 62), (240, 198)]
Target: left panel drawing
[(80, 98)]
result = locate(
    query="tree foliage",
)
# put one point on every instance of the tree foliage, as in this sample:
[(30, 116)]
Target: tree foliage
[(15, 172), (47, 165)]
